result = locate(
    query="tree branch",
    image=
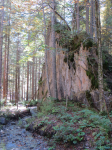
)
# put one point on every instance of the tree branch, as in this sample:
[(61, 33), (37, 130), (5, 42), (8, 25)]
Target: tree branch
[(60, 17)]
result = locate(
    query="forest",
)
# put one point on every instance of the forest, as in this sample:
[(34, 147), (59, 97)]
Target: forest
[(55, 75)]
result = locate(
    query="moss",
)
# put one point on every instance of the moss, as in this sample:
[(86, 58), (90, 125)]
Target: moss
[(44, 128), (66, 40), (65, 59), (94, 80), (40, 79), (96, 51), (92, 72), (45, 95), (71, 57), (88, 43), (70, 60), (89, 98), (106, 65)]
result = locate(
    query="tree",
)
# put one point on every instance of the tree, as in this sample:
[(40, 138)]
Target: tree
[(87, 16), (100, 63), (46, 62), (17, 79), (91, 19), (78, 18), (1, 43), (54, 52)]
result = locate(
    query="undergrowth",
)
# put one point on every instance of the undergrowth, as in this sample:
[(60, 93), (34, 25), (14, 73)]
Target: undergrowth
[(74, 121), (31, 102)]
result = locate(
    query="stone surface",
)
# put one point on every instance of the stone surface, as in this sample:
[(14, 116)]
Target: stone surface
[(81, 99), (3, 121), (71, 77), (12, 137), (95, 98), (33, 111)]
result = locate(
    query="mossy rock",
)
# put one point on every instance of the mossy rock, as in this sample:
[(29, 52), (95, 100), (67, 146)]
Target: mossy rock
[(47, 130), (70, 42)]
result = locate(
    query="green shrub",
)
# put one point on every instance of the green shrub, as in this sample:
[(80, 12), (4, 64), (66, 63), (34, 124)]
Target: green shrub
[(67, 133), (31, 103)]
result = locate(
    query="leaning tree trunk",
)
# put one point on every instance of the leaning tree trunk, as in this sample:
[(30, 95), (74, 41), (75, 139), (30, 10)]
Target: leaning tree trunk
[(100, 66), (54, 53)]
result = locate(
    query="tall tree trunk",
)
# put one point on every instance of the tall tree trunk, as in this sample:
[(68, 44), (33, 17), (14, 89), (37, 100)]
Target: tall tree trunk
[(30, 79), (95, 31), (16, 89), (36, 78), (4, 71), (74, 20), (55, 94), (17, 80), (27, 97), (46, 62), (8, 59), (100, 66), (27, 80), (39, 67), (33, 76), (1, 42), (4, 77), (8, 45), (87, 16)]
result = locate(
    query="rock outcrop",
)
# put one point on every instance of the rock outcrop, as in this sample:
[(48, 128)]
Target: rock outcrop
[(76, 71)]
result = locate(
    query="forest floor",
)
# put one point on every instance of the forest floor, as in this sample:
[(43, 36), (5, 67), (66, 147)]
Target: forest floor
[(55, 127)]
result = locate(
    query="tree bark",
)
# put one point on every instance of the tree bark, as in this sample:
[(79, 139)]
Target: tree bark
[(100, 66), (17, 79), (78, 19), (1, 43), (91, 19), (55, 95), (33, 76), (8, 46), (46, 62), (4, 78), (27, 80), (87, 16)]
